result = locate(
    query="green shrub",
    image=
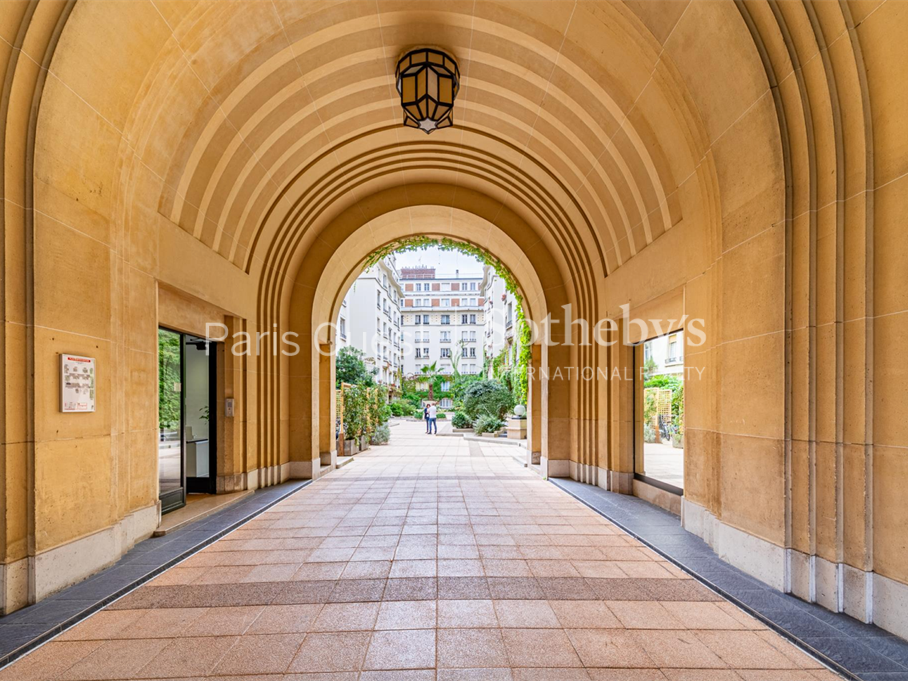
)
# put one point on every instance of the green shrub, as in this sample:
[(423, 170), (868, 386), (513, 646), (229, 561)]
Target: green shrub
[(400, 408), (441, 415), (356, 410), (461, 420), (382, 435), (417, 414), (488, 424), (487, 398)]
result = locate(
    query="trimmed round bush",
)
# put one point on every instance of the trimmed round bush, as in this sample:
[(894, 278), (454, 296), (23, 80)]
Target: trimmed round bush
[(461, 420)]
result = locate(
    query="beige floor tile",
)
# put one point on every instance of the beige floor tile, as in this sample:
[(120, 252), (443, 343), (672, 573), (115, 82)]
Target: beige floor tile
[(401, 649), (539, 648), (407, 615), (471, 648), (460, 614), (335, 652), (526, 615), (346, 617)]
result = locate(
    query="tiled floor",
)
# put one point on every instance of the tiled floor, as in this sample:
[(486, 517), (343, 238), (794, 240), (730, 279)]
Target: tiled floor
[(422, 561)]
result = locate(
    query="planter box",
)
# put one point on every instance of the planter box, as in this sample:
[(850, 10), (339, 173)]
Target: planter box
[(488, 435), (517, 429), (462, 430), (350, 447), (678, 442), (364, 443)]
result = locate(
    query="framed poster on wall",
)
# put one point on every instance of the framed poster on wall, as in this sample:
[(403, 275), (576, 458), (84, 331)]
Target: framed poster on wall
[(77, 383)]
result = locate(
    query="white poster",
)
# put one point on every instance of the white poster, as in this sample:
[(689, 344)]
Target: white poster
[(77, 383)]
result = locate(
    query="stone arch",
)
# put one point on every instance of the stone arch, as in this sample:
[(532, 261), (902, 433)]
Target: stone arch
[(324, 275)]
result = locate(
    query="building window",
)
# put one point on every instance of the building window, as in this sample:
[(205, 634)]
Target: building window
[(446, 319), (445, 336), (674, 349), (445, 387), (418, 319), (425, 319), (446, 353), (464, 318), (343, 328), (472, 352), (472, 319)]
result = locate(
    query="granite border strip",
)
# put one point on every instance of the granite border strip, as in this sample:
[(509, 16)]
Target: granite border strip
[(71, 610), (786, 633)]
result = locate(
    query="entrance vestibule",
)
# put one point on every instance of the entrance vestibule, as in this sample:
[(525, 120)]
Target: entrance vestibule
[(187, 444)]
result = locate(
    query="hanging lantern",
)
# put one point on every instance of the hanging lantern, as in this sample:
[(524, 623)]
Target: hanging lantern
[(427, 82)]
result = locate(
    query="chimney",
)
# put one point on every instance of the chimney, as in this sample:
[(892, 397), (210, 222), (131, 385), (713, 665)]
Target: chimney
[(457, 274)]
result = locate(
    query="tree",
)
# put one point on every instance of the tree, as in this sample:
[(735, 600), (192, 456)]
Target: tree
[(487, 398), (430, 374), (168, 376), (351, 368)]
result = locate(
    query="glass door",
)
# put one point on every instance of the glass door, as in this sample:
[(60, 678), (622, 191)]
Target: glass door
[(187, 399), (199, 411), (171, 482)]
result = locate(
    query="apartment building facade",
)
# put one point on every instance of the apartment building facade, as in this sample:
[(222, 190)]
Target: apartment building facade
[(370, 320), (443, 321), (500, 315)]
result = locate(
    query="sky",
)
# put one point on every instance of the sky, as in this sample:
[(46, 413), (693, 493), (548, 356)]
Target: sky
[(444, 262)]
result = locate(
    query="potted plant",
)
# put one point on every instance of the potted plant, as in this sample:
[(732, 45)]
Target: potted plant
[(488, 425)]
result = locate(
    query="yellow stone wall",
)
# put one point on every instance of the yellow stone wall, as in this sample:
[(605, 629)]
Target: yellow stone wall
[(167, 163)]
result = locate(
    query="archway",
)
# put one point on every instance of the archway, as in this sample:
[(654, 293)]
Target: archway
[(746, 166), (324, 278)]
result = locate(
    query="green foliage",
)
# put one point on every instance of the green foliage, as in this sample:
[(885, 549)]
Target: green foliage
[(168, 375), (487, 397), (379, 411), (663, 381), (461, 420), (441, 415), (670, 382), (520, 380), (431, 375), (418, 413), (356, 410), (649, 406), (364, 410), (488, 423), (678, 409), (460, 385), (382, 435), (400, 407), (352, 369)]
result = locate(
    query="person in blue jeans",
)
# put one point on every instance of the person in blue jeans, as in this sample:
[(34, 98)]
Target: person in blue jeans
[(433, 420), (425, 415)]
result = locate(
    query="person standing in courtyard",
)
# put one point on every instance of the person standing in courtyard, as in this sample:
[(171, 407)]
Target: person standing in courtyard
[(432, 422)]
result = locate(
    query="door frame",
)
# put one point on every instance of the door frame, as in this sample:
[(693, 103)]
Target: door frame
[(206, 485), (171, 501)]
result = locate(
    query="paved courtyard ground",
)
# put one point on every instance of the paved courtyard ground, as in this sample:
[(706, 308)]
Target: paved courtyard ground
[(432, 558)]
